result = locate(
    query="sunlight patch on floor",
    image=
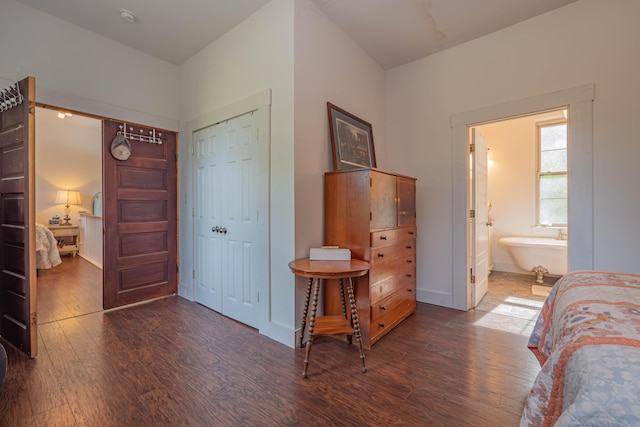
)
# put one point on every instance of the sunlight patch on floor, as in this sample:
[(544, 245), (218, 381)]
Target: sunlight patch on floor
[(524, 302), (509, 304), (515, 311), (499, 323)]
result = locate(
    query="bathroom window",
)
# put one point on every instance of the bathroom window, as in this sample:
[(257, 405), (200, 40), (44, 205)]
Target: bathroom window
[(552, 173)]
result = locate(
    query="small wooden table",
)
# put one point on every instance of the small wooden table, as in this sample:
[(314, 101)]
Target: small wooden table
[(329, 325)]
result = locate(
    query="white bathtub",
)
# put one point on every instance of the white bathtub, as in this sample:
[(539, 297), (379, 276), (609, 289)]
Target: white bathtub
[(530, 252)]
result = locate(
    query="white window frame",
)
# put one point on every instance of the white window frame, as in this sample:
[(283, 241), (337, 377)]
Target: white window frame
[(539, 126)]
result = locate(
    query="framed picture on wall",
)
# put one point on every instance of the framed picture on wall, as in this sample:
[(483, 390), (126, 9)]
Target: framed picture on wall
[(351, 140)]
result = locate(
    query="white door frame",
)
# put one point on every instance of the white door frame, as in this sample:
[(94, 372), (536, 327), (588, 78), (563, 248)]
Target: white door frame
[(260, 104), (579, 101)]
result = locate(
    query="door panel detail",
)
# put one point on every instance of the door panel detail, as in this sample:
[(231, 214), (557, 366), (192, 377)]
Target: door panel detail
[(152, 179)]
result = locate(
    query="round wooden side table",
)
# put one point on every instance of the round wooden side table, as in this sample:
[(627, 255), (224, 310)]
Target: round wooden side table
[(347, 323)]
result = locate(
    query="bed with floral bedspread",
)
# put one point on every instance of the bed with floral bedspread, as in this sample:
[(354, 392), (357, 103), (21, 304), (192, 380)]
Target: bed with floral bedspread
[(587, 340)]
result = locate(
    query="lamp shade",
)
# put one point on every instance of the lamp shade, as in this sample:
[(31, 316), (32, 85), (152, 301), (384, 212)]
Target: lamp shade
[(68, 197)]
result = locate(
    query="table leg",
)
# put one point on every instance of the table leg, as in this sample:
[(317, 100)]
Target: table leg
[(344, 304), (312, 320), (305, 311), (355, 322), (344, 307)]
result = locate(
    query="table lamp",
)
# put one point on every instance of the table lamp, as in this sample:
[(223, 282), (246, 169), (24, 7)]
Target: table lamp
[(68, 198)]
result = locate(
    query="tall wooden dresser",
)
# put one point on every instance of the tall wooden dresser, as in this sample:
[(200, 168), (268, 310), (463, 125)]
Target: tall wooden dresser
[(373, 213)]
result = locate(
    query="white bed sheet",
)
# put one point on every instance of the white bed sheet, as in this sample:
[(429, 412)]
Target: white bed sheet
[(47, 255)]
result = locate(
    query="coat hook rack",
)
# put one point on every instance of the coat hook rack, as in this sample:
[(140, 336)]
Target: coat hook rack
[(10, 97), (153, 137)]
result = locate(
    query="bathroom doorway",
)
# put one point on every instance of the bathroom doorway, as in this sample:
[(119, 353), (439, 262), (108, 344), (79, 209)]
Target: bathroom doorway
[(523, 163), (579, 103)]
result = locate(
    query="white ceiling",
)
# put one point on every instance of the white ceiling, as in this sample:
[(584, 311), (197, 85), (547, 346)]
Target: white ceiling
[(393, 32)]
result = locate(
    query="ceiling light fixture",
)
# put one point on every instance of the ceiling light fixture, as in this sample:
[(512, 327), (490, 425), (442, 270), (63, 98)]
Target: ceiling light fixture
[(128, 16)]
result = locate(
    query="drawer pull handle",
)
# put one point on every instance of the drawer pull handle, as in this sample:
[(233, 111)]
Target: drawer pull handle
[(409, 247), (409, 290), (381, 255), (409, 261), (381, 325), (412, 233), (384, 307), (383, 237), (409, 275)]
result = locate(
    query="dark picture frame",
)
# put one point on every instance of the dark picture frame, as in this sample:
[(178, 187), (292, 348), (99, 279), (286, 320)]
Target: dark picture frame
[(351, 140)]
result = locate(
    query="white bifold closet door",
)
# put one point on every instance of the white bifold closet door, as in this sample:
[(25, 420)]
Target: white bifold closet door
[(231, 228)]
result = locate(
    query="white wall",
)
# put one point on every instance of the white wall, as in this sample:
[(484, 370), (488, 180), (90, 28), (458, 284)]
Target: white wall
[(329, 67), (254, 56), (68, 156), (82, 71), (586, 42)]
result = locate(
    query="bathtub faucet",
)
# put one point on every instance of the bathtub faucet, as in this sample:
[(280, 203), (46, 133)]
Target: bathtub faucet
[(562, 235)]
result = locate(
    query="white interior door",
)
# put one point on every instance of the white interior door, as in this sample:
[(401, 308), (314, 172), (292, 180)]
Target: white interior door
[(231, 218), (208, 202), (479, 227)]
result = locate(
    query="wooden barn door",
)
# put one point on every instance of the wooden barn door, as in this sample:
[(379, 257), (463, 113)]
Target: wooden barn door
[(140, 219), (18, 317)]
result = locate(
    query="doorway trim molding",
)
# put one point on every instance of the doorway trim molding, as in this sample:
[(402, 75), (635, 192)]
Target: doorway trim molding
[(579, 101)]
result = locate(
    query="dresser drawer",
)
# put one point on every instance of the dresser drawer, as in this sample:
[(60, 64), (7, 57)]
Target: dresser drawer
[(391, 236), (392, 310), (383, 288), (389, 254), (401, 266)]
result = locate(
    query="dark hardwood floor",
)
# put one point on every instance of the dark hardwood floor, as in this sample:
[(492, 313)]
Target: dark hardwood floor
[(171, 362), (73, 288)]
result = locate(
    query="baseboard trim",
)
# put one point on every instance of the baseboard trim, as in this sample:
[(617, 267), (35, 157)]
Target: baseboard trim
[(435, 298)]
